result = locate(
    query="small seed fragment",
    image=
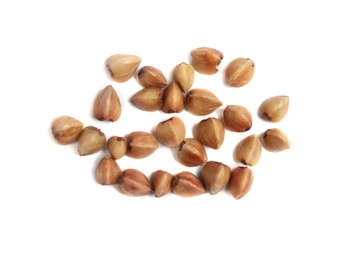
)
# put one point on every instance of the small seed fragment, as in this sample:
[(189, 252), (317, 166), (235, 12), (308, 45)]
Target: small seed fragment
[(173, 99), (206, 60), (122, 66), (239, 72), (107, 171), (237, 118), (66, 129), (184, 74), (91, 141), (240, 181), (275, 108), (249, 150), (215, 176), (170, 132), (161, 183), (141, 144), (186, 184), (148, 99), (107, 105), (210, 132), (134, 183), (275, 140), (191, 153), (202, 102), (149, 76), (117, 146)]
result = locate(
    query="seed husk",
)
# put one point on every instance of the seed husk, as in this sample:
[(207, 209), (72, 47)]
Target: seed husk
[(186, 184), (275, 140), (239, 72), (191, 153), (205, 60), (249, 150), (122, 66), (184, 74), (215, 176), (170, 132), (66, 129), (148, 99), (107, 105), (201, 102), (149, 76), (117, 146), (240, 181), (237, 118), (108, 171), (91, 141), (134, 183), (274, 109), (210, 132), (173, 99), (161, 183), (141, 144)]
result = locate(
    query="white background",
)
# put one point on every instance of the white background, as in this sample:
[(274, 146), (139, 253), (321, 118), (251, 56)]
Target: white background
[(52, 58)]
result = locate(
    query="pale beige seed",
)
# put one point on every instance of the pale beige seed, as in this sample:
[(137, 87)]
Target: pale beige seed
[(239, 72), (205, 60), (249, 150), (275, 140), (107, 105), (215, 176), (184, 75), (201, 102), (191, 153), (66, 129), (161, 183), (149, 76), (117, 146), (134, 183), (240, 182), (122, 66), (91, 141), (186, 184), (237, 118), (275, 108), (141, 144), (170, 132), (173, 99), (107, 171), (210, 132), (148, 99)]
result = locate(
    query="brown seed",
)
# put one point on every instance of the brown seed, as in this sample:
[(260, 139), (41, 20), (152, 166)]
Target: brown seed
[(184, 74), (161, 183), (186, 184), (276, 140), (122, 66), (215, 176), (191, 153), (170, 132), (66, 129), (149, 76), (240, 181), (173, 99), (237, 118), (134, 183), (275, 108), (107, 105), (91, 141), (210, 132), (107, 171), (117, 146), (239, 72), (202, 102), (249, 150), (141, 144), (148, 99), (206, 60)]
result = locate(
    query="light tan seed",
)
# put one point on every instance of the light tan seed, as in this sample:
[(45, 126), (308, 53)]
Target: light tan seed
[(107, 171), (148, 99), (173, 99), (141, 144), (249, 150), (275, 140), (275, 108), (161, 183), (117, 146), (134, 183), (91, 141), (210, 132), (184, 75), (149, 76), (239, 72), (201, 102), (107, 105), (215, 176), (66, 129), (170, 132), (122, 66), (205, 60), (191, 153)]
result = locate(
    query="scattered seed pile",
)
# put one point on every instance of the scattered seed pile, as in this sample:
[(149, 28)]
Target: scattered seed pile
[(157, 94)]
